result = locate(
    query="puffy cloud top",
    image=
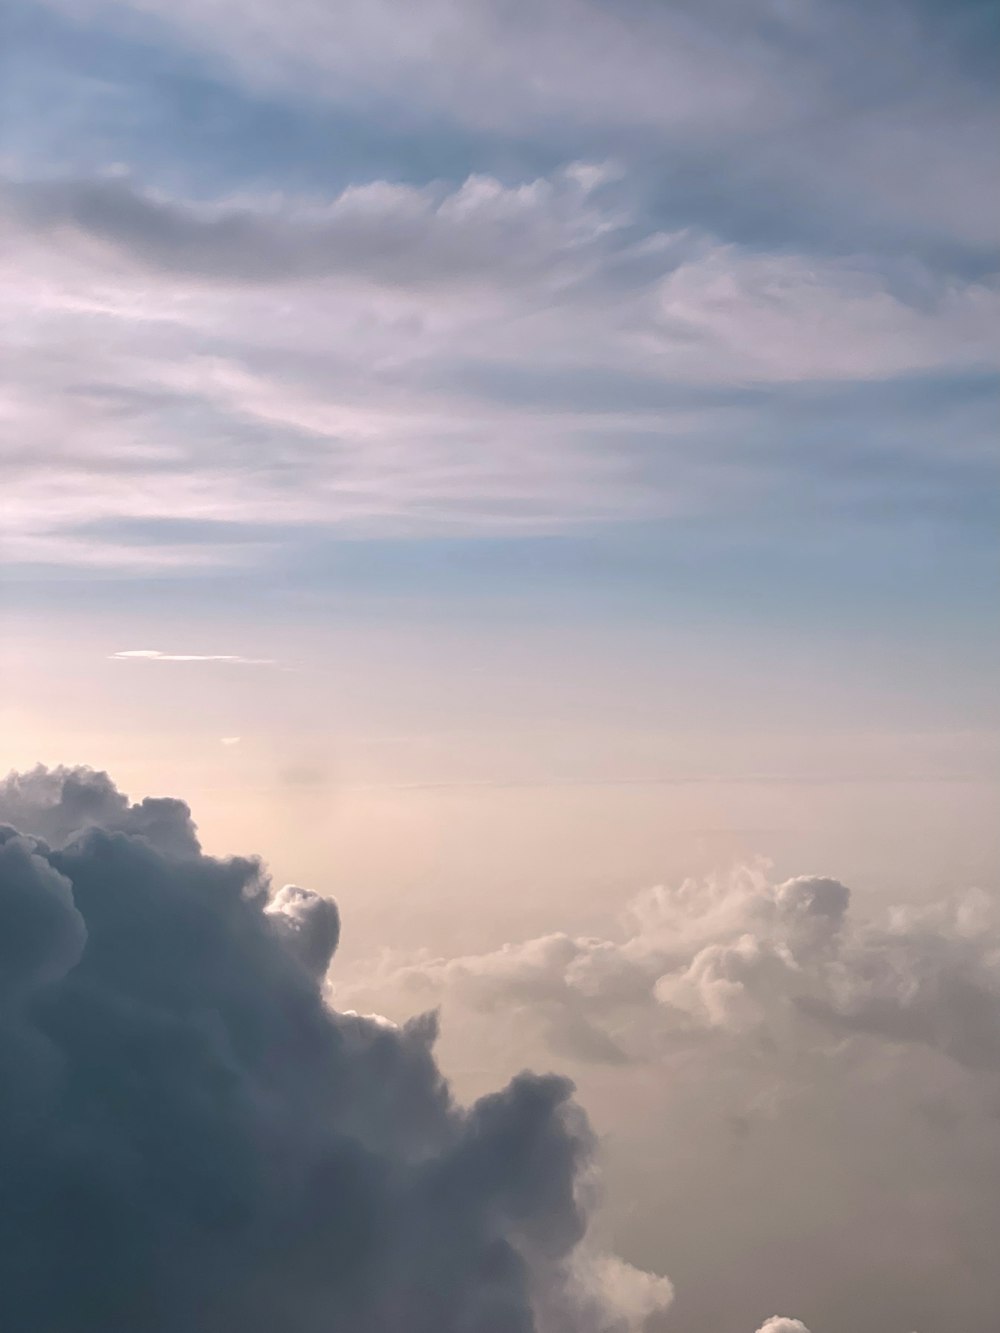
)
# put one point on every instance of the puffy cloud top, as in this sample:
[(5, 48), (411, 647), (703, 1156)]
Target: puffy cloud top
[(801, 1089), (192, 1142), (57, 803), (738, 954)]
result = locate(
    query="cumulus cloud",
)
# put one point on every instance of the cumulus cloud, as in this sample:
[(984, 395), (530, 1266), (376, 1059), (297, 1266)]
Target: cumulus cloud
[(805, 1091), (44, 934), (53, 804), (737, 955), (191, 1139)]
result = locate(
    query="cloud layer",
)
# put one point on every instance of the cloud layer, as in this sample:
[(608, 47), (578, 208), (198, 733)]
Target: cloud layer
[(740, 957), (817, 1084), (198, 1124), (435, 361), (293, 274), (191, 1140)]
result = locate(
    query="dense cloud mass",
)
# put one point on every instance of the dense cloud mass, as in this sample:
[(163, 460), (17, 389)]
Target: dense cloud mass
[(54, 804), (740, 957), (193, 1137), (190, 1139), (802, 1093)]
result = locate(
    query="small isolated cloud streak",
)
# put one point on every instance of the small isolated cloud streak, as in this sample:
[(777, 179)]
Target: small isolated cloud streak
[(154, 655)]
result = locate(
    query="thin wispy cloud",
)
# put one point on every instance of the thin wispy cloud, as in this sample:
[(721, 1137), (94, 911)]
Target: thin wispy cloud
[(485, 360), (154, 655), (670, 308)]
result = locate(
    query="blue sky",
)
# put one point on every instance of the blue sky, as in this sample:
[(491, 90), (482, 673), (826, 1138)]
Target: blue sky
[(633, 318)]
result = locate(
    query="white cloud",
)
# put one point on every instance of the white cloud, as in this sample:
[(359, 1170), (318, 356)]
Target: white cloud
[(490, 65), (153, 655), (768, 1062), (493, 359), (867, 114), (737, 955), (129, 923), (604, 1282)]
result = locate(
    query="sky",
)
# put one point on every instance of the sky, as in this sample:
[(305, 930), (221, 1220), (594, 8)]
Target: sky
[(500, 460)]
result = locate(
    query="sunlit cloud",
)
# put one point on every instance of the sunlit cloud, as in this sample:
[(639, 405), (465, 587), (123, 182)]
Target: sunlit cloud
[(154, 655)]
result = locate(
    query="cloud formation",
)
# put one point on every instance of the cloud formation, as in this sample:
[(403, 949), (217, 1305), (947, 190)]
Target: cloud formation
[(817, 1084), (54, 804), (392, 234), (737, 956), (190, 1139), (154, 655), (572, 266), (438, 360), (766, 94)]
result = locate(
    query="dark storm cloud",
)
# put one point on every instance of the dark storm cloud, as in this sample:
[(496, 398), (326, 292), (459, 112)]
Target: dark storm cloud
[(192, 1142)]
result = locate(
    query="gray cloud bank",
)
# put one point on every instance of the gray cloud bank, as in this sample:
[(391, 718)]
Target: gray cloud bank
[(190, 1139)]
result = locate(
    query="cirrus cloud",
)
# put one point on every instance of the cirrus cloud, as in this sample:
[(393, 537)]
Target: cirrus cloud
[(204, 385), (154, 655)]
